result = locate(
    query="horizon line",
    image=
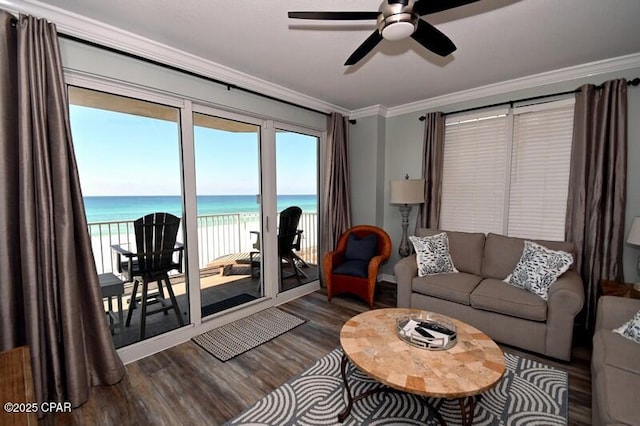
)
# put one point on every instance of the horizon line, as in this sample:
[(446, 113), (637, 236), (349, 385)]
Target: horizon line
[(180, 195)]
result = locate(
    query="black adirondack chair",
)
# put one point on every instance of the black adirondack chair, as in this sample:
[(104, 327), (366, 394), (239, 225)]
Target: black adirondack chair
[(288, 240), (154, 258)]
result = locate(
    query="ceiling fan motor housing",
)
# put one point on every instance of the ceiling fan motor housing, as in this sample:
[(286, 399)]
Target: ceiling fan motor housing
[(397, 20)]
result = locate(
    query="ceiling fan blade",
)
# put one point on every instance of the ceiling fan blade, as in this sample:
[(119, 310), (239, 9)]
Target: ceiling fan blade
[(334, 16), (433, 39), (425, 7), (366, 47)]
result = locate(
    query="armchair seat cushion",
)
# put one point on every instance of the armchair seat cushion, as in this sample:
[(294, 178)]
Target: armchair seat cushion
[(354, 268)]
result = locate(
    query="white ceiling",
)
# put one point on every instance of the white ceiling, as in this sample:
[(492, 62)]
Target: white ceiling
[(497, 40)]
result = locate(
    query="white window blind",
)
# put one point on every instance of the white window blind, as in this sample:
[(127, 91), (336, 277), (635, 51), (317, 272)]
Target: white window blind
[(508, 173), (540, 172), (475, 160)]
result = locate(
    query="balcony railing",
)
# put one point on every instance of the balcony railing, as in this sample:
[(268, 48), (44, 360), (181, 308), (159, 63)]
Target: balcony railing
[(218, 235)]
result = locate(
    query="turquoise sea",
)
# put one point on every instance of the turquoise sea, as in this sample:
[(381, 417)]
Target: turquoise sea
[(116, 208)]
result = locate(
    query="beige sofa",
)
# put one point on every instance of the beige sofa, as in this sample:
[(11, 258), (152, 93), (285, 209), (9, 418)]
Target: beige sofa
[(478, 296), (615, 370)]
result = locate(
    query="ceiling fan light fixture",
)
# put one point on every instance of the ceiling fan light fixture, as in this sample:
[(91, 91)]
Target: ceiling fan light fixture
[(398, 26)]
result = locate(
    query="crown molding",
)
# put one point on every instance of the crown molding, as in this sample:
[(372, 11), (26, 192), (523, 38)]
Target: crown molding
[(98, 32), (369, 111), (101, 33), (590, 69)]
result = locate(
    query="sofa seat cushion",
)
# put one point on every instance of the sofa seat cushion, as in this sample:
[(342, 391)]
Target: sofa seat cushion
[(497, 296), (614, 350), (455, 287), (617, 393)]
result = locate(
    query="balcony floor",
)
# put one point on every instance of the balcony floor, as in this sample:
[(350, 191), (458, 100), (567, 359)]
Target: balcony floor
[(235, 287)]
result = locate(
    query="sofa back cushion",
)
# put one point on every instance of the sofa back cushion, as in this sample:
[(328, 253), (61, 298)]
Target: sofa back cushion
[(501, 254), (465, 248)]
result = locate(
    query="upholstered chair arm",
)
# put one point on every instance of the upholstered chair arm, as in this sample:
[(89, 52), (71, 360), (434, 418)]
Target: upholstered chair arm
[(330, 260), (333, 259), (613, 311), (405, 270), (564, 302), (374, 265)]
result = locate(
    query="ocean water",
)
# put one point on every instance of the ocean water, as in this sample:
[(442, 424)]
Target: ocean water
[(117, 208)]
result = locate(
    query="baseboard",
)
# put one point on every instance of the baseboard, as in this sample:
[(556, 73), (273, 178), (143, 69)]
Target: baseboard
[(388, 278)]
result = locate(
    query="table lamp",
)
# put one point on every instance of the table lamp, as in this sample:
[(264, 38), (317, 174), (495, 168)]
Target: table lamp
[(634, 239), (406, 192)]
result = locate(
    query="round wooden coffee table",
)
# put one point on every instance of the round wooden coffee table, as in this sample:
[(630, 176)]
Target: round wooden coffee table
[(369, 340)]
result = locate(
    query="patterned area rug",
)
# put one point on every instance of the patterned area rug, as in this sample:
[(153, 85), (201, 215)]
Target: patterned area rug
[(530, 393), (237, 337)]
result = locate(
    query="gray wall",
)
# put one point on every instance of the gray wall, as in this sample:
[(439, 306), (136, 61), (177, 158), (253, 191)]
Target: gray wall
[(403, 152), (367, 176)]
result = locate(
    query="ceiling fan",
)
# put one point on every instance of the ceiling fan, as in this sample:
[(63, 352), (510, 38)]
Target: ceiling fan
[(397, 20)]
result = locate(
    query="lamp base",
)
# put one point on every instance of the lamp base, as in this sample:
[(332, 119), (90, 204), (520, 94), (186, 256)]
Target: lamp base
[(404, 249)]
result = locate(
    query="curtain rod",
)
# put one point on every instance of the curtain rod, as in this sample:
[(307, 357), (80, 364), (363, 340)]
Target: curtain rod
[(229, 86), (634, 82)]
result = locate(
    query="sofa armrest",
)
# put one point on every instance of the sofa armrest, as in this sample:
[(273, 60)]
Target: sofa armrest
[(613, 311), (405, 270), (566, 295), (565, 301)]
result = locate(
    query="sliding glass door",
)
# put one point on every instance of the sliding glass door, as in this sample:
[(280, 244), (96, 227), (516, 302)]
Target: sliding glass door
[(297, 188), (244, 192), (129, 161), (227, 170)]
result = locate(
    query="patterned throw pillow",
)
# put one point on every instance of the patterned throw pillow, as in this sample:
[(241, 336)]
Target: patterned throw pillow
[(432, 254), (538, 268), (631, 329)]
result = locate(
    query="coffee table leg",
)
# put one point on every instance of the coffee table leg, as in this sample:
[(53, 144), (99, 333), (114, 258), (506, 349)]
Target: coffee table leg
[(343, 371), (467, 421), (350, 398)]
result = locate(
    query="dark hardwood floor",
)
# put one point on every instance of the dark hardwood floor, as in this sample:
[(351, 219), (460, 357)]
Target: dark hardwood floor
[(185, 385)]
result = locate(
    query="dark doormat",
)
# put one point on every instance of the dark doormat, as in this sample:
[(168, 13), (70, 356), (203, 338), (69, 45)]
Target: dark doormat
[(237, 337), (226, 304)]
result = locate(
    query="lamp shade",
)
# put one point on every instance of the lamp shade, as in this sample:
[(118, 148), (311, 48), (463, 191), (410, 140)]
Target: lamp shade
[(634, 233), (406, 191)]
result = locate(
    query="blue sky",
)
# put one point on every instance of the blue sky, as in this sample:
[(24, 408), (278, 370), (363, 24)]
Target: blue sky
[(125, 154)]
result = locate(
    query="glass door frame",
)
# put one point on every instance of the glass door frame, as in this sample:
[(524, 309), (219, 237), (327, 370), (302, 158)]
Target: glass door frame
[(321, 137), (269, 207), (192, 212)]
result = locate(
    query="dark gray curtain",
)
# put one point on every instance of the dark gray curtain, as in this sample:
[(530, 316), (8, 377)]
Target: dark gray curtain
[(50, 298), (432, 162), (597, 187), (336, 206)]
